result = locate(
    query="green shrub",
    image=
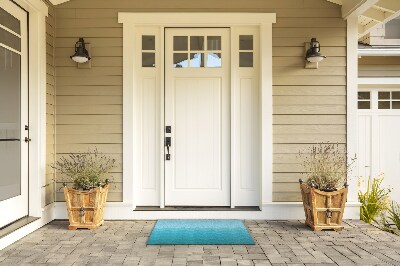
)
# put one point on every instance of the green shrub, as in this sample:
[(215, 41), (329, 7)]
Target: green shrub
[(374, 201)]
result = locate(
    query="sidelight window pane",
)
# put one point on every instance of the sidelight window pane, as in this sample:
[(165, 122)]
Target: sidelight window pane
[(245, 59), (148, 59), (148, 42), (246, 42)]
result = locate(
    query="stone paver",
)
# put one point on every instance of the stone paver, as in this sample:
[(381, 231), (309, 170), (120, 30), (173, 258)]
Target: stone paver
[(278, 243)]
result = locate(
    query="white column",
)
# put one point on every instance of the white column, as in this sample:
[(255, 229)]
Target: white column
[(352, 87)]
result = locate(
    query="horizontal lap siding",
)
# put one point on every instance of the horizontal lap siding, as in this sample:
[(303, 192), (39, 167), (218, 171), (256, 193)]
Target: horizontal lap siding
[(48, 188), (309, 105), (379, 66)]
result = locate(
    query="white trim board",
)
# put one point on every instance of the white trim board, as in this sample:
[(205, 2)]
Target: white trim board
[(379, 80), (270, 211), (132, 127)]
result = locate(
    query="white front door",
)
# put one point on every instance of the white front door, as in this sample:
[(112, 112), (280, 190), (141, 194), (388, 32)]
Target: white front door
[(197, 108), (13, 113), (378, 136)]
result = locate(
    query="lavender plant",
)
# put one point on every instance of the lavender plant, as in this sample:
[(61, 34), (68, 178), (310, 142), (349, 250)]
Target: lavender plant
[(86, 170), (325, 166)]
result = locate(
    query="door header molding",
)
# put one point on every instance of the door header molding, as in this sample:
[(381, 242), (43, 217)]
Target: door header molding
[(196, 19)]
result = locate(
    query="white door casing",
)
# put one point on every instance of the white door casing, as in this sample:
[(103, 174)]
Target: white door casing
[(197, 106), (379, 142), (248, 85), (17, 206)]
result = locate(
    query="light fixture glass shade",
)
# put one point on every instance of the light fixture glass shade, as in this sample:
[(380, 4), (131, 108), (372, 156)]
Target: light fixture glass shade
[(313, 54), (79, 59), (81, 54)]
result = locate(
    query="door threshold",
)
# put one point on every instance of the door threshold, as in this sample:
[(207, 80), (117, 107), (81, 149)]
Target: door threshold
[(8, 229), (196, 208)]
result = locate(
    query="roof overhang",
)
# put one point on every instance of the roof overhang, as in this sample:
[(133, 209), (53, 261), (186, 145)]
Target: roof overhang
[(371, 13)]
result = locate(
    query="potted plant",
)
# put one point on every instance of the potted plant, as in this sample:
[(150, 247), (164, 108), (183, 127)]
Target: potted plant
[(324, 192), (86, 198)]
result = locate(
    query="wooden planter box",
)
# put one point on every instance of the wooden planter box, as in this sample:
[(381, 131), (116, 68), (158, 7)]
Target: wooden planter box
[(85, 207), (323, 210)]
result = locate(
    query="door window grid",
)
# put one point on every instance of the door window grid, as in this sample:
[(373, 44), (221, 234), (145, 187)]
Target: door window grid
[(246, 50), (197, 51), (148, 51), (364, 100), (379, 99), (389, 100)]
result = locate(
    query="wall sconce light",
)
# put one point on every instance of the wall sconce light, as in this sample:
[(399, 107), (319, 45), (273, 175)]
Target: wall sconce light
[(81, 54), (313, 55)]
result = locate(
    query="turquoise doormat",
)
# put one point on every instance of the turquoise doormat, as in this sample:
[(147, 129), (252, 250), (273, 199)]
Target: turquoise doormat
[(200, 232)]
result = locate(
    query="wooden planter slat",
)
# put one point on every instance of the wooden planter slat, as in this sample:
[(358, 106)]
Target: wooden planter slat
[(85, 207), (323, 210)]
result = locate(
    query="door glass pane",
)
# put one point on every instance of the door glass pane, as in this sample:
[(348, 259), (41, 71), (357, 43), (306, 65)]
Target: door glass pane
[(148, 42), (396, 95), (384, 105), (7, 20), (214, 60), (197, 43), (148, 59), (180, 60), (364, 105), (10, 40), (180, 43), (10, 149), (246, 59), (246, 42), (214, 43), (384, 95), (364, 95), (197, 60), (396, 105)]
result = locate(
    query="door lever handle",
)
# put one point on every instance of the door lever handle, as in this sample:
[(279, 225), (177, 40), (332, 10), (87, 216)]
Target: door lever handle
[(168, 144)]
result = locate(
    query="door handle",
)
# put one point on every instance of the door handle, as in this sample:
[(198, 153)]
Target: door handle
[(168, 144), (27, 139)]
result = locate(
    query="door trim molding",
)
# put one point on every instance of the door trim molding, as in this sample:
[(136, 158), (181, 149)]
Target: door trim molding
[(131, 125), (37, 12)]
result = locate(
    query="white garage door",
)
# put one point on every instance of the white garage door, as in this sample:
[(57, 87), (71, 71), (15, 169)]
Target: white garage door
[(379, 136)]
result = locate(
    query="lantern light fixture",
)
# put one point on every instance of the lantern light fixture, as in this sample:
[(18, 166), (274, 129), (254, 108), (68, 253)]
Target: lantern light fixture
[(81, 54), (313, 54)]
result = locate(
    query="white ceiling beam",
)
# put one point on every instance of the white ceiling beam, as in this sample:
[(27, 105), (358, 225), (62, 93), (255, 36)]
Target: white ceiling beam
[(354, 8), (375, 14), (389, 5), (338, 2)]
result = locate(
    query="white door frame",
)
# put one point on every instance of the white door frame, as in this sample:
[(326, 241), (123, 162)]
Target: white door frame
[(37, 12), (131, 123)]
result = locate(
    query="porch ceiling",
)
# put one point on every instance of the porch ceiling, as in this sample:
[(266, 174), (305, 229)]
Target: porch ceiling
[(371, 13)]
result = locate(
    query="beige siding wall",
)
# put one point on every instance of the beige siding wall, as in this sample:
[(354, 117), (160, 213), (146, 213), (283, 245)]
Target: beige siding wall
[(379, 66), (309, 105), (50, 106)]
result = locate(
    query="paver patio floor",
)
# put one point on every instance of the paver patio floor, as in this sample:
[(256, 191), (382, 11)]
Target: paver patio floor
[(278, 243)]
